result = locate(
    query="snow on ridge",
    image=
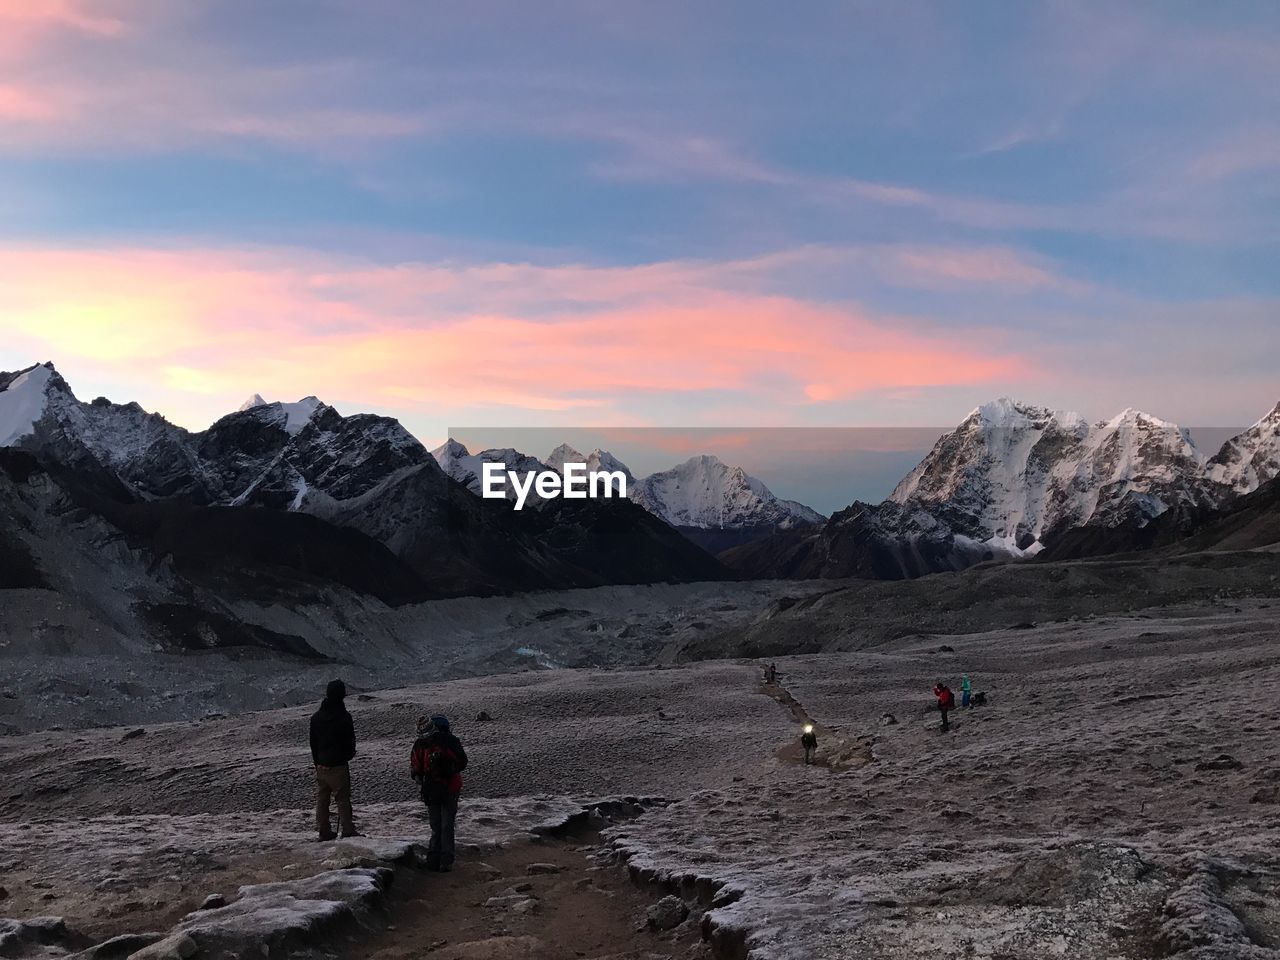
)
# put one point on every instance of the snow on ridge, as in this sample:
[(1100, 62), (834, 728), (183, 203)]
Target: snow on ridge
[(1012, 473), (449, 451), (23, 403), (1272, 418), (707, 493), (564, 454), (294, 416), (298, 415)]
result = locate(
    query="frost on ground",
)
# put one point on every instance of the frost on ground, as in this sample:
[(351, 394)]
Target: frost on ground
[(1115, 799), (224, 884)]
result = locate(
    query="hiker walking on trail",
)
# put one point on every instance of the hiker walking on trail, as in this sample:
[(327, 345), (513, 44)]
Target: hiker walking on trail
[(333, 745), (809, 740), (436, 764), (946, 702), (966, 691), (771, 673)]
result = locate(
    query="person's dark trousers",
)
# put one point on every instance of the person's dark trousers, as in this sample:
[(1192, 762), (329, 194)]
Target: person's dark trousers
[(945, 724), (442, 814)]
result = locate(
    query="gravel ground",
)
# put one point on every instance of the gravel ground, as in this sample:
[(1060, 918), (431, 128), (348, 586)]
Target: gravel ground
[(1115, 798)]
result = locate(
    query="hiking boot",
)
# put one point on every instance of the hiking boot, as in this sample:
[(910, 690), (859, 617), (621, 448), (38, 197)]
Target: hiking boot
[(327, 836), (353, 833)]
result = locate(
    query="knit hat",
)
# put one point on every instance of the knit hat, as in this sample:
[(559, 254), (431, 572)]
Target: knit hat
[(336, 690), (425, 726), (440, 721)]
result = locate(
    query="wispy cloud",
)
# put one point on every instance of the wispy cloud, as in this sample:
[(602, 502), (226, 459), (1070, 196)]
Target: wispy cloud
[(213, 322)]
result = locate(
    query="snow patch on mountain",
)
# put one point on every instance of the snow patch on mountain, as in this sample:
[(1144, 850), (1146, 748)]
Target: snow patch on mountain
[(22, 403), (467, 468), (596, 461), (294, 416), (1012, 474), (705, 492), (1251, 459)]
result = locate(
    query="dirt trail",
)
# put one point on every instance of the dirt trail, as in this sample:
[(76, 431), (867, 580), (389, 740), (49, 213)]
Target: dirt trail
[(835, 750), (548, 900)]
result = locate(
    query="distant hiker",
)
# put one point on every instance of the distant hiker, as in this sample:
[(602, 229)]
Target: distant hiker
[(436, 764), (966, 691), (771, 673), (809, 740), (333, 745), (946, 702)]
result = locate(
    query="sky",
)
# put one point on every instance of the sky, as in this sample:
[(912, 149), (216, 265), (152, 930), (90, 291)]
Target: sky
[(663, 214)]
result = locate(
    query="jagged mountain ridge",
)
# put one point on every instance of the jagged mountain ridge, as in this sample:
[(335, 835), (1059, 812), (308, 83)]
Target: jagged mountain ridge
[(1246, 462), (708, 493), (1013, 480), (465, 467), (1014, 475), (701, 494), (363, 471)]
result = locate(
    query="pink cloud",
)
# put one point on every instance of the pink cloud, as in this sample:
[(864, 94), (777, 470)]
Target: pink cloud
[(47, 14), (218, 323), (17, 103), (973, 266)]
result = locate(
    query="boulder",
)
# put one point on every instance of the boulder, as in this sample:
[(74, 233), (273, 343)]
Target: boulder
[(667, 914), (16, 935)]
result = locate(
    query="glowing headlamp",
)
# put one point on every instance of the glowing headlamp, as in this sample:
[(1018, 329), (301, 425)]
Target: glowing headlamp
[(808, 728)]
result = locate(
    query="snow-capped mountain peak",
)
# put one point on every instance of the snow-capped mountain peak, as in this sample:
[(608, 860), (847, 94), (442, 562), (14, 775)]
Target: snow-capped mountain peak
[(564, 454), (706, 493), (23, 401), (597, 461), (467, 468), (448, 452), (292, 416), (1247, 461), (1014, 473)]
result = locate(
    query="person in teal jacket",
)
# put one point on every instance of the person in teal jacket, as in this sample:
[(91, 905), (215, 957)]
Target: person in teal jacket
[(966, 690)]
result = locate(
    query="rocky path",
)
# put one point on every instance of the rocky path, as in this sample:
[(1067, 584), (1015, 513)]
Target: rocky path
[(544, 900), (836, 750)]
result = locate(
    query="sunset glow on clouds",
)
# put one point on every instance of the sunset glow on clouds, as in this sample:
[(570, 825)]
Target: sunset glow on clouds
[(591, 342), (710, 213)]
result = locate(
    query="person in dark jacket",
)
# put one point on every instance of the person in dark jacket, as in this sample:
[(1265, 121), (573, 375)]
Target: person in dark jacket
[(436, 764), (333, 745), (809, 740)]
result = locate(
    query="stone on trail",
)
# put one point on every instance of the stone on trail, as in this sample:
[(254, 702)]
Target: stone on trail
[(667, 914), (542, 868)]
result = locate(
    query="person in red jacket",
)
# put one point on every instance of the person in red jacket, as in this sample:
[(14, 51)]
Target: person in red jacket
[(436, 764), (946, 702)]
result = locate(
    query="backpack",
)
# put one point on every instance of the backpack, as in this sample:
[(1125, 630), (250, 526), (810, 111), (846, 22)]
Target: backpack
[(434, 766), (441, 763)]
